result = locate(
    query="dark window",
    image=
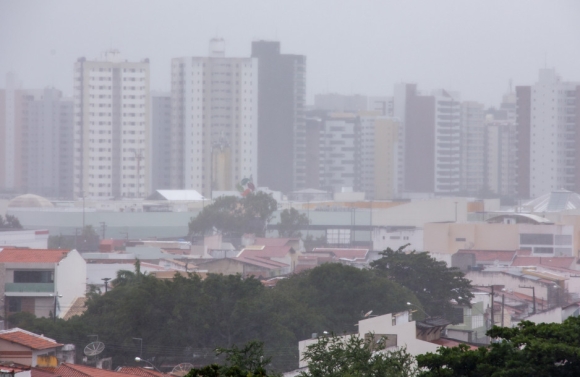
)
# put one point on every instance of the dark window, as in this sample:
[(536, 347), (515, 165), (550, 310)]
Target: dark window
[(14, 304), (536, 239), (33, 277), (543, 250), (460, 240), (456, 316)]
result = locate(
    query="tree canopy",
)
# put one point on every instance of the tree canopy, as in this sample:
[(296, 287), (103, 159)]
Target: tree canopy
[(291, 221), (545, 349), (233, 215), (186, 319), (10, 222), (334, 356), (434, 284)]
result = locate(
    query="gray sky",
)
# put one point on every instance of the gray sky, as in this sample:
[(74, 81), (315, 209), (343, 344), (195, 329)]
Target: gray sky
[(354, 46)]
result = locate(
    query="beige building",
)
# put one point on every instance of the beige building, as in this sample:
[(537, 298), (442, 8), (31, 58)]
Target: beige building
[(112, 127), (515, 232)]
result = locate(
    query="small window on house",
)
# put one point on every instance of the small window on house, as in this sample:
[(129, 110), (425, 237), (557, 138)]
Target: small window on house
[(15, 304), (460, 240)]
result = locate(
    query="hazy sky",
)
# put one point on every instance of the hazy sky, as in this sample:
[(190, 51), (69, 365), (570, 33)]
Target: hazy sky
[(354, 46)]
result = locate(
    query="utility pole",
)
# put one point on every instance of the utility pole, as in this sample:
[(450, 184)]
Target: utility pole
[(502, 308), (103, 227), (492, 313)]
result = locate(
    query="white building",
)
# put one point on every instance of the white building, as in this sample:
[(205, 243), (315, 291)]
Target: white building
[(214, 121), (112, 127), (552, 130)]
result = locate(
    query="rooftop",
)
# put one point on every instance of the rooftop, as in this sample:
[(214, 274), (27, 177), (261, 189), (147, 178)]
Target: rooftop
[(491, 255), (555, 201), (77, 370), (32, 255), (28, 339)]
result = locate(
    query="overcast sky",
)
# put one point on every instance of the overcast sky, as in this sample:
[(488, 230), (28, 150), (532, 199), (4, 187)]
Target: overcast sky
[(355, 46)]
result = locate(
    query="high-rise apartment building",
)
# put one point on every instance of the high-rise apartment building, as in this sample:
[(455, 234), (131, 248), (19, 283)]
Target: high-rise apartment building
[(501, 154), (11, 133), (112, 125), (160, 141), (378, 156), (548, 126), (431, 154), (281, 131), (214, 121), (473, 148), (48, 144)]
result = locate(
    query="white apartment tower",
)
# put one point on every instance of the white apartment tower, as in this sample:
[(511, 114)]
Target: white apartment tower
[(548, 136), (214, 121), (112, 125)]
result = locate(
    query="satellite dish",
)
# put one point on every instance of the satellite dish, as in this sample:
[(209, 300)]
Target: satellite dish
[(182, 369), (367, 314), (94, 348)]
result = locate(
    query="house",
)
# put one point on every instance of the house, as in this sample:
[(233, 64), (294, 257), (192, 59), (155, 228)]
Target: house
[(141, 372), (246, 266), (26, 348), (400, 331), (41, 281), (37, 239), (77, 370), (282, 250), (15, 370)]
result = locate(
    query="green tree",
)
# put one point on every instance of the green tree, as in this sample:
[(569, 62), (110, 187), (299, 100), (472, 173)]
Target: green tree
[(545, 349), (291, 222), (248, 361), (434, 284), (10, 222), (334, 356), (234, 216)]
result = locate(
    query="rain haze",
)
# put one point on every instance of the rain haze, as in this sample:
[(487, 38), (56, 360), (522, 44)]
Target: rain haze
[(180, 178), (352, 47)]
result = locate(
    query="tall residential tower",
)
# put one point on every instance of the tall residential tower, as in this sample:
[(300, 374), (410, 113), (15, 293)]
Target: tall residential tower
[(214, 121), (111, 127)]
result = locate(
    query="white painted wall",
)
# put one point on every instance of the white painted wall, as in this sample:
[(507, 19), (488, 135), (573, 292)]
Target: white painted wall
[(382, 239), (24, 238), (70, 279)]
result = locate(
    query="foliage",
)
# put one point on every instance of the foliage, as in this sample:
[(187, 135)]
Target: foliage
[(185, 319), (231, 215), (86, 240), (10, 222), (434, 284), (291, 221), (545, 349), (335, 356), (248, 361)]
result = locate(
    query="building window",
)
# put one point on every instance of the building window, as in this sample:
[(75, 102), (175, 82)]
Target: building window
[(33, 276), (15, 304)]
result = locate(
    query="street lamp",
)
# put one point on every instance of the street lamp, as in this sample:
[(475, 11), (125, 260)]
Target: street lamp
[(421, 309), (106, 280), (138, 359)]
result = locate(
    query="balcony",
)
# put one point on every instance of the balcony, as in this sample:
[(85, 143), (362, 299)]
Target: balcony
[(29, 287)]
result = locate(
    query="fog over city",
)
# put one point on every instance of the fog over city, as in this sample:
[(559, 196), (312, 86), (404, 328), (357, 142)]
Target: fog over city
[(352, 47), (289, 188)]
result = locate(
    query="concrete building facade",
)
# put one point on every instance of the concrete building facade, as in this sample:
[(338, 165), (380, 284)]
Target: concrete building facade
[(548, 124), (160, 141), (473, 151), (214, 121), (112, 127), (281, 131)]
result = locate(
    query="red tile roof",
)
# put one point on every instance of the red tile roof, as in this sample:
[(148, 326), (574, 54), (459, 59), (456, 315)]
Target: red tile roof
[(138, 371), (260, 262), (343, 253), (491, 255), (28, 339), (77, 370), (266, 252), (43, 372), (32, 255), (558, 262)]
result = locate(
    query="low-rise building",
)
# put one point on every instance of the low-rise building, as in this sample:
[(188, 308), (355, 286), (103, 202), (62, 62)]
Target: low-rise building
[(26, 348), (40, 281)]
